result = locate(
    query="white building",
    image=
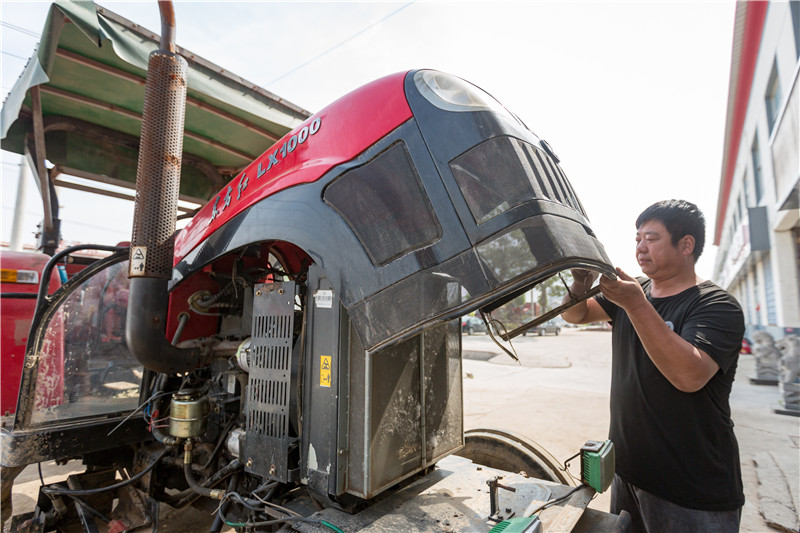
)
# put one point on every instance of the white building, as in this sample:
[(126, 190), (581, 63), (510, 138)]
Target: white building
[(758, 212)]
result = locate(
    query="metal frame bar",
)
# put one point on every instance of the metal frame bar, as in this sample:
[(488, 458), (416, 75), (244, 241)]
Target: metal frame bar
[(550, 314), (55, 123), (39, 156), (127, 76), (61, 169), (85, 100), (259, 92)]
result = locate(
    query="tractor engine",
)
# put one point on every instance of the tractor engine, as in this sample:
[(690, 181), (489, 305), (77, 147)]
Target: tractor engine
[(291, 397)]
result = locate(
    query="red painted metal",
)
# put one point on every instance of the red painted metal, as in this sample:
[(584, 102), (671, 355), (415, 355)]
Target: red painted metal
[(333, 136), (17, 315), (751, 42)]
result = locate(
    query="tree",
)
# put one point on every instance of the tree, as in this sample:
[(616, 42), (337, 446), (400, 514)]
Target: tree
[(554, 288)]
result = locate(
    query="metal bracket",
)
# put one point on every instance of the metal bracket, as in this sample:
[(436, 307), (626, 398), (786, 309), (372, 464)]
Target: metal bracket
[(494, 513)]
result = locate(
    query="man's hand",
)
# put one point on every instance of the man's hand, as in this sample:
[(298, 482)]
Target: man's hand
[(587, 310), (624, 291), (685, 366), (582, 280)]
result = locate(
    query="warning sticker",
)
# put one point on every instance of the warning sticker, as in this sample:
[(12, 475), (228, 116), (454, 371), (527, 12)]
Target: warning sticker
[(138, 261), (323, 299), (324, 370)]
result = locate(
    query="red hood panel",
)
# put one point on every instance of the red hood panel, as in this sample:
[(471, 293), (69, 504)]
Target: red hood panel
[(333, 136)]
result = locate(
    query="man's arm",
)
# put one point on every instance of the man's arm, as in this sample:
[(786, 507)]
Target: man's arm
[(587, 310), (684, 365)]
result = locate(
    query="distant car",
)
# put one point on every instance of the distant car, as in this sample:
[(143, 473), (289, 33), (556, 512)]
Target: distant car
[(551, 326), (746, 349), (597, 326), (472, 324)]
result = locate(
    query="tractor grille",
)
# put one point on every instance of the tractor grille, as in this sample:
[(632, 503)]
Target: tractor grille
[(268, 390)]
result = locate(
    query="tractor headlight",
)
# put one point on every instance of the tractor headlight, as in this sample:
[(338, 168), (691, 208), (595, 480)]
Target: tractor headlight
[(454, 94), (8, 275)]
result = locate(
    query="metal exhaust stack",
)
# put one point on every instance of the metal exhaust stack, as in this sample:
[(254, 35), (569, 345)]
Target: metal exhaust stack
[(157, 185)]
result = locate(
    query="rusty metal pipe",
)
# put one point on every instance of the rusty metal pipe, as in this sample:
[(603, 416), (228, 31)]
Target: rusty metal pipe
[(155, 211), (167, 25)]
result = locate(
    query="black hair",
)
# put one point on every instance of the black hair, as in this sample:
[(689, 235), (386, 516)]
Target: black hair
[(680, 218)]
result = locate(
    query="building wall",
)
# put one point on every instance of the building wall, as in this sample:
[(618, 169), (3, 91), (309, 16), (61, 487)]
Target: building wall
[(759, 263)]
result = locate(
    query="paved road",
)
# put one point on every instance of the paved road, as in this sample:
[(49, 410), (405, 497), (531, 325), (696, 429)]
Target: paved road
[(558, 396)]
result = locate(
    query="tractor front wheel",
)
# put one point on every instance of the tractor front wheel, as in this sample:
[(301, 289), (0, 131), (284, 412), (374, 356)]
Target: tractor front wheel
[(512, 452)]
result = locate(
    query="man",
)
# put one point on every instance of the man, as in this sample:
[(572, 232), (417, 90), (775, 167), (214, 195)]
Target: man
[(676, 341)]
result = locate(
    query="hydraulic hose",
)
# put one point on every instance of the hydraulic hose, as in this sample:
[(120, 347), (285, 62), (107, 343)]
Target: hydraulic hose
[(216, 494), (184, 498)]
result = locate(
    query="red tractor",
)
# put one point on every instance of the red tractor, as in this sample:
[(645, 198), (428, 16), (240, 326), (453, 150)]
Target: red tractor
[(293, 355), (19, 287)]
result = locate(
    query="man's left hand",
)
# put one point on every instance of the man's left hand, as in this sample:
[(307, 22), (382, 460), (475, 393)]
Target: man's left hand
[(624, 291)]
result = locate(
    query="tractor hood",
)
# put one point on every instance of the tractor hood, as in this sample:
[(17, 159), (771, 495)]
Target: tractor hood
[(443, 210)]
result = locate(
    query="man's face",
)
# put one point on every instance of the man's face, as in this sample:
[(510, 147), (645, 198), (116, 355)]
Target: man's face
[(656, 255)]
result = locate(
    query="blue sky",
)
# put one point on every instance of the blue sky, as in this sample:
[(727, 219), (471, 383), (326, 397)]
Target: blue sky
[(631, 95)]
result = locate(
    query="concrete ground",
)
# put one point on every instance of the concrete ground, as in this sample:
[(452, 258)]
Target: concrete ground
[(558, 396)]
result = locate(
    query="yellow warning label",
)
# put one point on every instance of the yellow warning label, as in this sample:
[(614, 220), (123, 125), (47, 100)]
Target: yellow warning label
[(324, 370)]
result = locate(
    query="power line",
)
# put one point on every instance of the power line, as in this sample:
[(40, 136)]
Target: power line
[(19, 29), (14, 55), (71, 221), (334, 47)]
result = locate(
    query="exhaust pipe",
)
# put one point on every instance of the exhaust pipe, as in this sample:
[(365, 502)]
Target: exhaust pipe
[(157, 186)]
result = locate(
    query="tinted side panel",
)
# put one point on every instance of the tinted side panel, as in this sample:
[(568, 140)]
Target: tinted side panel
[(385, 205), (504, 172)]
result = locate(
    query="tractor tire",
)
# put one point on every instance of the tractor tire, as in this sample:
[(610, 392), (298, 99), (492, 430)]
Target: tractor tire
[(511, 452)]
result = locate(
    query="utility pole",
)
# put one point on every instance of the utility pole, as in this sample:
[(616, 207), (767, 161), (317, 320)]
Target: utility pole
[(19, 208)]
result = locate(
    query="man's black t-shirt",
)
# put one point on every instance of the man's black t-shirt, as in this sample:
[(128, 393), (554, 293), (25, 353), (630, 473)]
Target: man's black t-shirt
[(679, 446)]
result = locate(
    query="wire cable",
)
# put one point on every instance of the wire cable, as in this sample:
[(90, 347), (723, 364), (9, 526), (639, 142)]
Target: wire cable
[(341, 43), (330, 526), (277, 521), (557, 500), (276, 506), (15, 56), (86, 492), (565, 467), (294, 517), (145, 405), (80, 501), (20, 29), (216, 527)]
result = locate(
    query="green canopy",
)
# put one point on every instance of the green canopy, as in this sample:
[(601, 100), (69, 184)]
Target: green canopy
[(78, 104)]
